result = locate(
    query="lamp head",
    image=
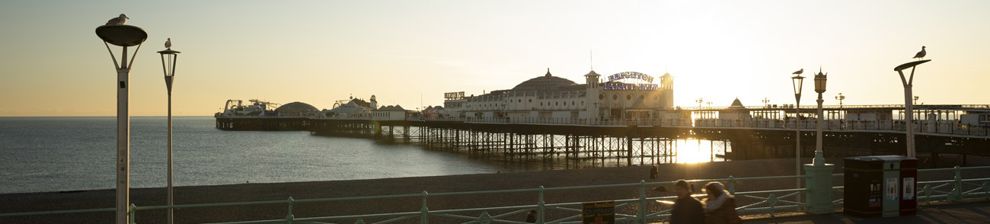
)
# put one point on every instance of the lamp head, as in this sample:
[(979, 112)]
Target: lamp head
[(820, 79), (121, 35), (797, 81)]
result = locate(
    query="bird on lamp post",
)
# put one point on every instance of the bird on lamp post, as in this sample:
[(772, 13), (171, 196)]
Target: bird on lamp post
[(119, 20), (921, 54)]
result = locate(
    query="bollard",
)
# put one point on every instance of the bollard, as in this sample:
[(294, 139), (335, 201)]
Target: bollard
[(424, 212), (289, 218), (642, 202), (539, 208)]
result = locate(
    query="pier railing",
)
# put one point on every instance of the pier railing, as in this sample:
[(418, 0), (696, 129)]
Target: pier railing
[(964, 183), (921, 127)]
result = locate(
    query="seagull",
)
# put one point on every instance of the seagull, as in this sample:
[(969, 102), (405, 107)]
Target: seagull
[(120, 20), (168, 43), (798, 72), (921, 54)]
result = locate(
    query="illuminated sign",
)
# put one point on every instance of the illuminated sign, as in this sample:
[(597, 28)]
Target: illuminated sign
[(630, 75), (454, 95), (628, 86), (614, 84)]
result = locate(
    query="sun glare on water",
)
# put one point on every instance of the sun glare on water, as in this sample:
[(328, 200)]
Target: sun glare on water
[(700, 150)]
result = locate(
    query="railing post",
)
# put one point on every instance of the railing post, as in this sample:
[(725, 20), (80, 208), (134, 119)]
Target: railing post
[(539, 208), (133, 211), (732, 184), (485, 218), (289, 217), (956, 193), (642, 202), (772, 202), (424, 212)]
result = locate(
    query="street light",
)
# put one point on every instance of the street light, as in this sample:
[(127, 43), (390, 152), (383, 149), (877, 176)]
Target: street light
[(818, 173), (798, 83), (820, 80), (840, 98), (169, 58), (908, 82), (123, 36)]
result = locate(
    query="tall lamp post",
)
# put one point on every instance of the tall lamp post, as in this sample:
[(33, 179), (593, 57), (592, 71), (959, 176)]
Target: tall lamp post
[(840, 98), (798, 82), (818, 173), (118, 34), (819, 88), (908, 83), (169, 58)]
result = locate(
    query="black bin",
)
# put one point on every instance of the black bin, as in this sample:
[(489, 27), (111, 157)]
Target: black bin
[(878, 186)]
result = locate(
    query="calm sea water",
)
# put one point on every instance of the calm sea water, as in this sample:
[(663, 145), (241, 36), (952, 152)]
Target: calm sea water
[(67, 154), (61, 154)]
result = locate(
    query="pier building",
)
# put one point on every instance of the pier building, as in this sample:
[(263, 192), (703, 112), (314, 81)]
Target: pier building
[(621, 96)]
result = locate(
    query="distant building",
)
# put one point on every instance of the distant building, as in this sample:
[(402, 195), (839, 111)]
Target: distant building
[(353, 109), (392, 113), (625, 95), (296, 109), (359, 109)]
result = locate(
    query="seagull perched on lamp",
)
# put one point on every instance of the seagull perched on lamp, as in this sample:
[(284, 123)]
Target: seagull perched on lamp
[(168, 43), (119, 20), (921, 54), (798, 72)]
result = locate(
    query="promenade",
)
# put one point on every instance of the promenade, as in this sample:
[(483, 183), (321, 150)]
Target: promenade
[(961, 213), (436, 185)]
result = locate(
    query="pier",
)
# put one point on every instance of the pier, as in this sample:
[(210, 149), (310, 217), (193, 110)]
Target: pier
[(741, 133)]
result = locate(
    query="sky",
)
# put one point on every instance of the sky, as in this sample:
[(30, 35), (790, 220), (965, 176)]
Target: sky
[(411, 52)]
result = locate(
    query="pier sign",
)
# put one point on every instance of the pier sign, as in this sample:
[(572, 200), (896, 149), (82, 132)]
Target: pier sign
[(614, 81), (601, 212), (630, 75)]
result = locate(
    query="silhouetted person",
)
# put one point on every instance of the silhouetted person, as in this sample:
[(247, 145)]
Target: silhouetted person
[(531, 216), (720, 206), (921, 54), (687, 210), (654, 172)]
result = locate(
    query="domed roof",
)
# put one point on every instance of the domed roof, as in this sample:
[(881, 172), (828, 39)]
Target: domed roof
[(296, 108), (546, 82)]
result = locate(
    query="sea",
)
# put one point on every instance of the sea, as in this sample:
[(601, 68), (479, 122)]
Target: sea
[(51, 154)]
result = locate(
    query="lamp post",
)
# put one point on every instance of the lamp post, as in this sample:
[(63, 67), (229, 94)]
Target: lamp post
[(169, 58), (798, 82), (840, 98), (908, 83), (819, 173), (819, 88), (123, 36)]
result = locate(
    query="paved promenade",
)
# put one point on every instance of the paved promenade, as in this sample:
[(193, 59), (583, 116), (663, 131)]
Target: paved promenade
[(964, 212)]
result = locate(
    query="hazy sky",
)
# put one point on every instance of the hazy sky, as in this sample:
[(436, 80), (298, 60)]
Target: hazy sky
[(407, 52)]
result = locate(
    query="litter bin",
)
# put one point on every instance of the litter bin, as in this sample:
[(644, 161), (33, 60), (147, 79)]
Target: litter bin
[(880, 186)]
